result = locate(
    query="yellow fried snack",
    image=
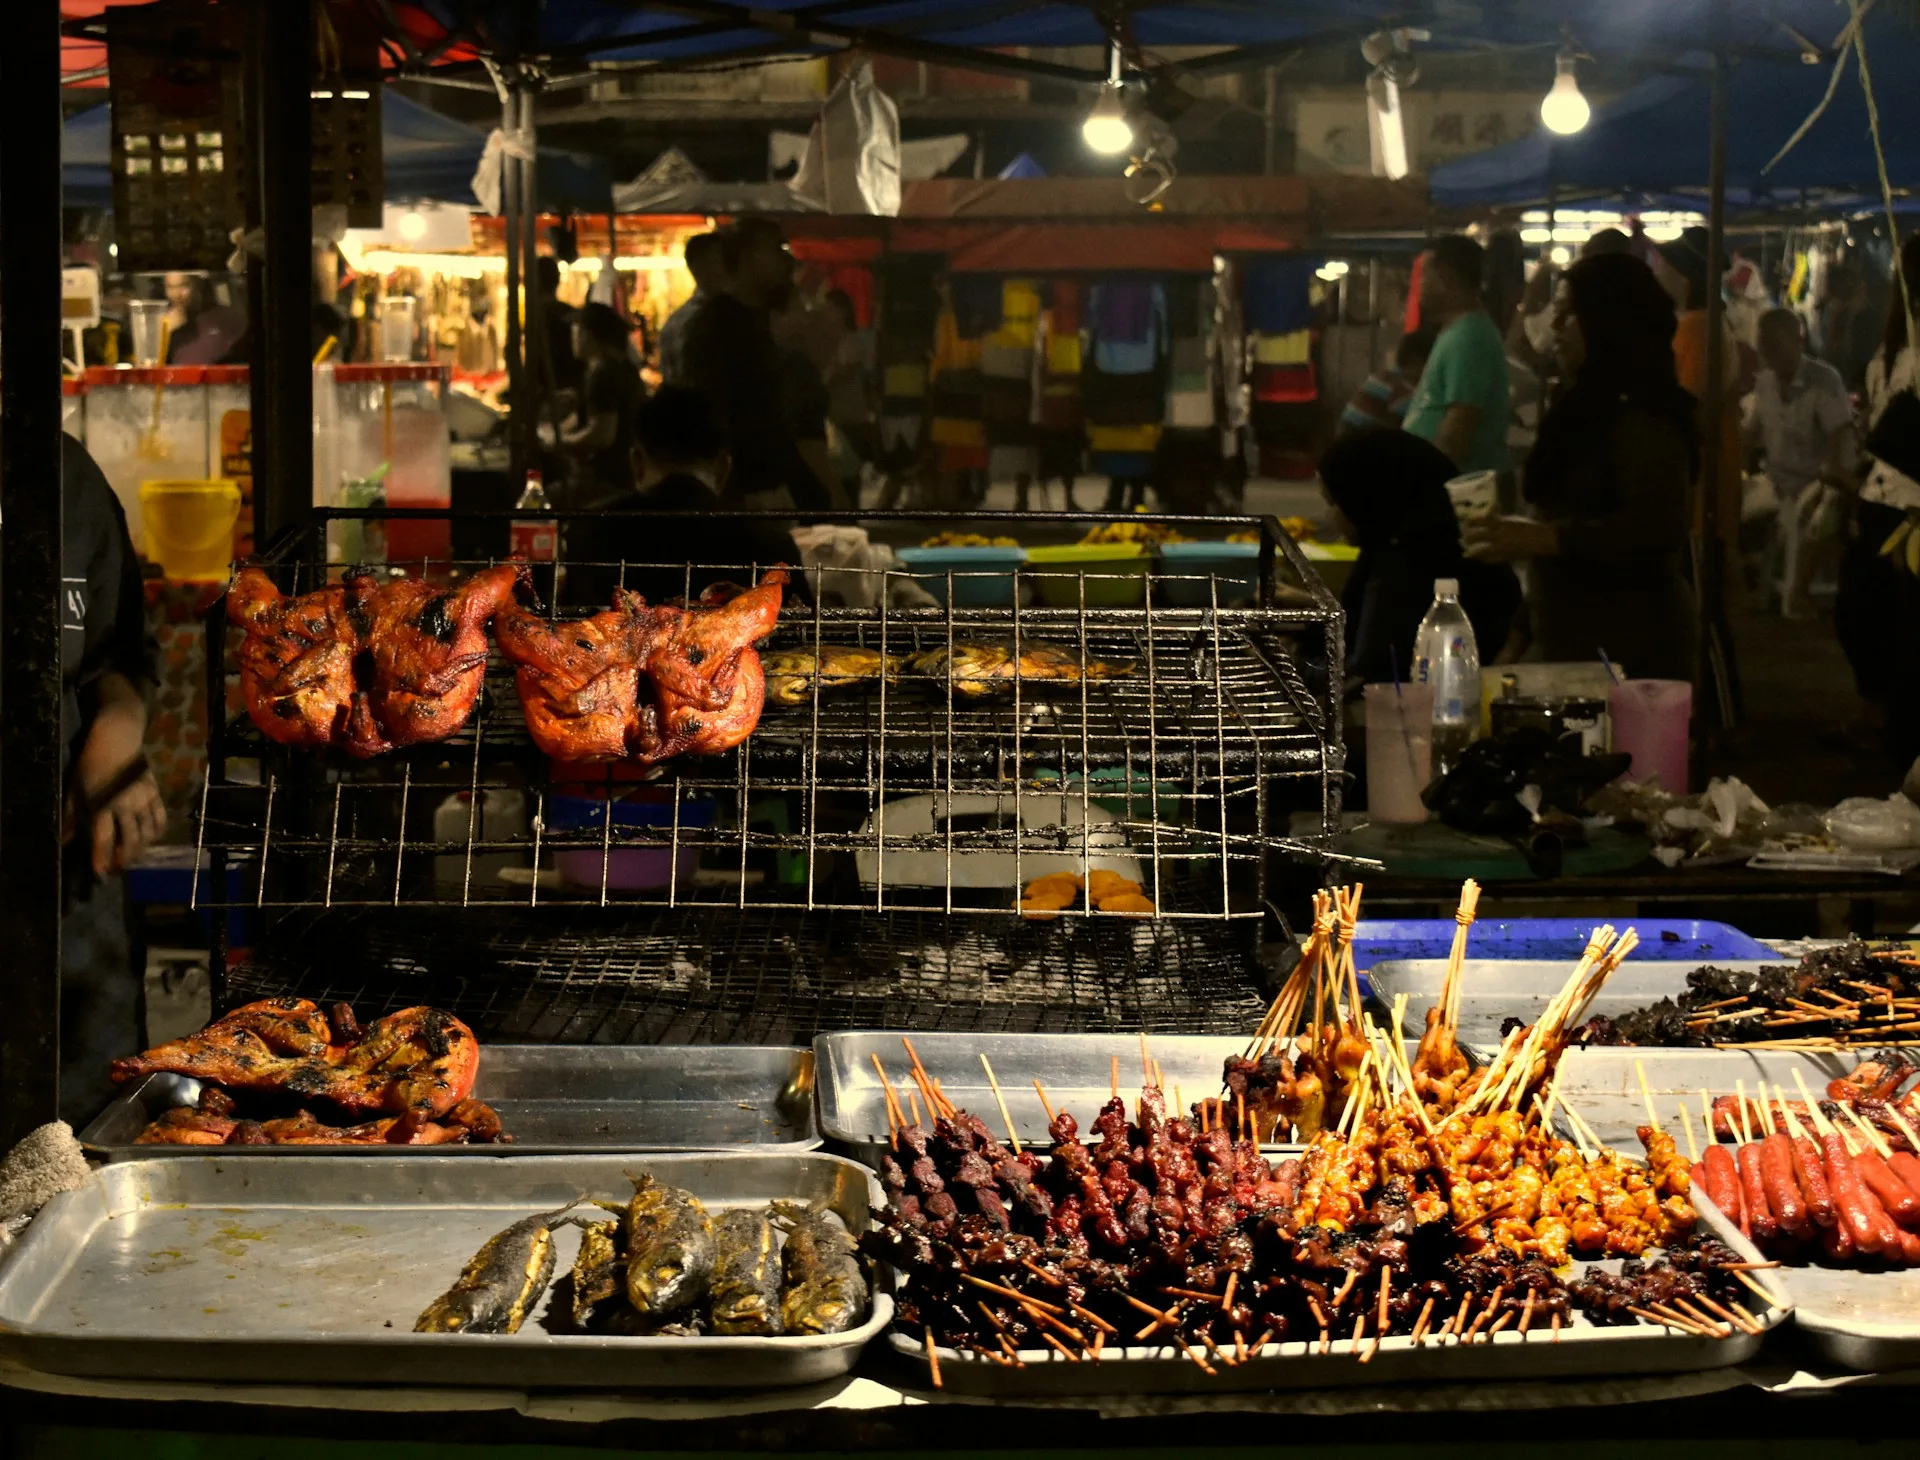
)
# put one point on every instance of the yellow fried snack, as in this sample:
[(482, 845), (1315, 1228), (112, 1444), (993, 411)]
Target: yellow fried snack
[(1064, 885), (1127, 902), (1040, 912), (1102, 884)]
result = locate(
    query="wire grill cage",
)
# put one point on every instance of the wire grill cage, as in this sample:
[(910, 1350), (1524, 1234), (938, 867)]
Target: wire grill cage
[(860, 858), (902, 790)]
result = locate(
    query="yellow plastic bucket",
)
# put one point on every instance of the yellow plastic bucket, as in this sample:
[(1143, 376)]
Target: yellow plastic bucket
[(189, 527)]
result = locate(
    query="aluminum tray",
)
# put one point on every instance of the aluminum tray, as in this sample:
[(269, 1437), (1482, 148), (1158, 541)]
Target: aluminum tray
[(1075, 1070), (1583, 1350), (313, 1270), (1496, 989), (556, 1099), (1864, 1321)]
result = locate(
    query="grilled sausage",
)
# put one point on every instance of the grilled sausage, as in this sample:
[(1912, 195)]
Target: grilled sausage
[(1902, 1205), (1907, 1167), (1812, 1176), (1753, 1189), (1722, 1184), (1783, 1191), (1868, 1226)]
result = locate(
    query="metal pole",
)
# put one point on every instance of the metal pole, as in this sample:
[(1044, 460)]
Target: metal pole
[(279, 112), (538, 371), (1708, 573), (31, 600), (520, 409)]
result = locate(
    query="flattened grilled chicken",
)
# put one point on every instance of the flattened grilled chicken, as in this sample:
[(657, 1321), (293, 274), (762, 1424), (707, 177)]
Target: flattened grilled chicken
[(708, 684), (429, 652), (296, 661), (976, 671), (792, 674), (367, 665), (579, 681)]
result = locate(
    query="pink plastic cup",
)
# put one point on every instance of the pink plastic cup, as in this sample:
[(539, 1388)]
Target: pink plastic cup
[(1650, 721)]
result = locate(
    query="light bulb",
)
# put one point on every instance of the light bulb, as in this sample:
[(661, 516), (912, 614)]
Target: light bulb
[(1565, 110), (413, 225), (1106, 128)]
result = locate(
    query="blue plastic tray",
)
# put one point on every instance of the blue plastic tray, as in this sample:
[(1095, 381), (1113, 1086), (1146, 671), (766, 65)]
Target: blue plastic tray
[(1555, 938)]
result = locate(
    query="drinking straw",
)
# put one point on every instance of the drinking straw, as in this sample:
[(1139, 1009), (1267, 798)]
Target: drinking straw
[(1612, 673)]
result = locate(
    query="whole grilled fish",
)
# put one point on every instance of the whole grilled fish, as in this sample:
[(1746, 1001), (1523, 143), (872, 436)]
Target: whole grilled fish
[(669, 1248), (746, 1274), (596, 1270), (792, 674), (976, 671), (499, 1287), (826, 1291)]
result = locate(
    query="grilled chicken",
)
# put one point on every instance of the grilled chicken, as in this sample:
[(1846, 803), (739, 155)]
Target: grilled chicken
[(366, 665), (707, 682), (418, 1062), (579, 681), (791, 675), (296, 661)]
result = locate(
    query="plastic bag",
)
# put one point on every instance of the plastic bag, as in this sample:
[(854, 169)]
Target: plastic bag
[(1862, 824)]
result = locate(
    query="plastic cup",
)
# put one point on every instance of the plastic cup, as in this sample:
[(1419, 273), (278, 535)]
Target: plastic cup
[(1399, 750), (396, 328), (1650, 721), (1475, 495), (143, 318)]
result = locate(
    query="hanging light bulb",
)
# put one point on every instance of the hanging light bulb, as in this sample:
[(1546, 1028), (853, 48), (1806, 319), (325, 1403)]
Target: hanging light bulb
[(1106, 128), (1564, 109), (413, 225)]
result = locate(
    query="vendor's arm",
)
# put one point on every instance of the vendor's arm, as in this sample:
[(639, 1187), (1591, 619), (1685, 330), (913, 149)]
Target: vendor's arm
[(114, 792), (1455, 437)]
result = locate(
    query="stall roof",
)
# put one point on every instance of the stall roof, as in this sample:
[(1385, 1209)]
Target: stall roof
[(1653, 139), (429, 158)]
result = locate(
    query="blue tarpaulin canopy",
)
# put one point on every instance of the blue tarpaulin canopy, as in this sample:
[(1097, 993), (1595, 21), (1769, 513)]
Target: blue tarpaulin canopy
[(429, 158), (1653, 139)]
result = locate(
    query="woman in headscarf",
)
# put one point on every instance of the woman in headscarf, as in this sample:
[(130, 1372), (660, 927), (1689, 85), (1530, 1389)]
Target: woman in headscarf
[(1609, 482), (1390, 490)]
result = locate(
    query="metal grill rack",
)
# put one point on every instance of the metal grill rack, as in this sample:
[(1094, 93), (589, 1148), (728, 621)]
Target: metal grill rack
[(899, 814)]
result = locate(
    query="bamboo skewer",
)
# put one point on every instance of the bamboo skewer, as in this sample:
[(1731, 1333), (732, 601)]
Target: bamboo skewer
[(1013, 1137), (1043, 1102), (1686, 1125), (1646, 1095)]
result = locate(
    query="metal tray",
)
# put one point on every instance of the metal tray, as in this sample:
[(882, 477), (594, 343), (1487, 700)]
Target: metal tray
[(314, 1269), (1583, 1349), (1074, 1069), (1865, 1321), (1496, 989), (555, 1099)]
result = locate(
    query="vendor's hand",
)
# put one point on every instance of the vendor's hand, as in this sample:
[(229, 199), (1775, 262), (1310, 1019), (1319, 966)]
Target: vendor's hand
[(126, 823), (1507, 539)]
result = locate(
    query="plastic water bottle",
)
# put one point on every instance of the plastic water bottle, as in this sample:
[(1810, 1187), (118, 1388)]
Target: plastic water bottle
[(1446, 657)]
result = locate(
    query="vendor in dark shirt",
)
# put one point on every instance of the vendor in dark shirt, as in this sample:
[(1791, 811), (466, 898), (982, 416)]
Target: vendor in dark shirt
[(729, 355), (600, 435), (683, 452), (114, 810)]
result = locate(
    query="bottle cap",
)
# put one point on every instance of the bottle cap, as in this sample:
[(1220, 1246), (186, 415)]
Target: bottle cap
[(1446, 587)]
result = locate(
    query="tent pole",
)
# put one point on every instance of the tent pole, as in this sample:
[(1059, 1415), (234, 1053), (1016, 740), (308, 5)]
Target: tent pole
[(520, 416), (1710, 574), (537, 372), (30, 559)]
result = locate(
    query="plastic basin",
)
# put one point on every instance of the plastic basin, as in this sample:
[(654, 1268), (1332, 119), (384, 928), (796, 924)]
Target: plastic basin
[(983, 577), (1552, 938), (627, 869), (1114, 574), (188, 525), (1193, 572)]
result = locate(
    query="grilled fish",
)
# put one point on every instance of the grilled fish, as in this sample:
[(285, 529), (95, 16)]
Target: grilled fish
[(596, 1270), (669, 1248), (826, 1291), (976, 671), (500, 1286), (792, 674), (746, 1274)]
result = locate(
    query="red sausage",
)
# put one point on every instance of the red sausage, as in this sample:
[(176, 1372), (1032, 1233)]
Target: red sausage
[(1907, 1167), (1697, 1177), (1909, 1254), (1867, 1224), (1889, 1190), (1837, 1242), (1813, 1183), (1722, 1184), (1753, 1188), (1783, 1191)]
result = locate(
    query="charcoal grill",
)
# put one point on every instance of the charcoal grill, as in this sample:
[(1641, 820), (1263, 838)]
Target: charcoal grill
[(856, 862)]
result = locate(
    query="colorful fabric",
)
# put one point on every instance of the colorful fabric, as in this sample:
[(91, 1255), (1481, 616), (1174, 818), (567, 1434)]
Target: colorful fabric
[(1289, 349), (1277, 294), (1381, 400), (904, 382), (1129, 326), (1286, 384), (1107, 439), (951, 431)]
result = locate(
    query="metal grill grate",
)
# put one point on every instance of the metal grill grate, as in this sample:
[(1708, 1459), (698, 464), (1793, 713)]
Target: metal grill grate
[(895, 795), (711, 975)]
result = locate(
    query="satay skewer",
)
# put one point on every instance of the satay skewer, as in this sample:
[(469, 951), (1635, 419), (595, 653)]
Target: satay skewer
[(1646, 1095), (896, 1117), (1043, 1102), (1686, 1125), (1013, 1136)]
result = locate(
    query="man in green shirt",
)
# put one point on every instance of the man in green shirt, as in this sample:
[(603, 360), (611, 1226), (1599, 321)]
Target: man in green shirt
[(1461, 405)]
